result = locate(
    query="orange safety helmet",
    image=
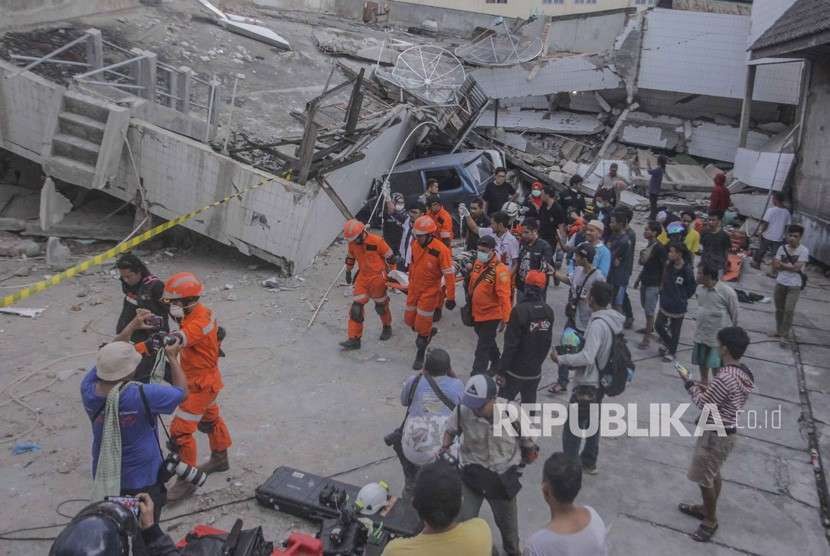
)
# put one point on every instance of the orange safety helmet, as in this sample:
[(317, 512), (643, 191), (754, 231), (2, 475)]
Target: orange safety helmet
[(183, 285), (424, 225), (353, 228)]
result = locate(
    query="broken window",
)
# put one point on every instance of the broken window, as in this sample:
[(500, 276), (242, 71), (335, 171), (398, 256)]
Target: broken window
[(448, 179), (407, 184), (481, 169)]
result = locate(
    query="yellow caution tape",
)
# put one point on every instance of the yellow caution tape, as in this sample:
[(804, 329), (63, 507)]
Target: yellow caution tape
[(123, 247)]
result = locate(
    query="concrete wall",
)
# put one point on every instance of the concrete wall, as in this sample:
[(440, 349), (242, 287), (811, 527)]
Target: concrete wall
[(20, 13), (28, 112), (811, 188), (586, 34)]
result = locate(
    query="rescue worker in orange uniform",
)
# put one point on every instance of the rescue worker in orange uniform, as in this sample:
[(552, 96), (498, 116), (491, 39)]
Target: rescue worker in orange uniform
[(443, 232), (489, 292), (374, 258), (431, 261), (199, 335)]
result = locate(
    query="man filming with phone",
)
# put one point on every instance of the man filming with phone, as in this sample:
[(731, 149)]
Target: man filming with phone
[(126, 455)]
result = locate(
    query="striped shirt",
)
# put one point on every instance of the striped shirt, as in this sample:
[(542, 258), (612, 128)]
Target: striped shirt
[(728, 392)]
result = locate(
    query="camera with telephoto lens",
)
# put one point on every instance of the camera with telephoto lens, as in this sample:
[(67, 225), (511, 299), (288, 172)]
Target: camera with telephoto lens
[(174, 465)]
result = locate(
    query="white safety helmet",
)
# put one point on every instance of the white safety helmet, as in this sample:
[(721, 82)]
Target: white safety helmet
[(372, 498), (511, 209)]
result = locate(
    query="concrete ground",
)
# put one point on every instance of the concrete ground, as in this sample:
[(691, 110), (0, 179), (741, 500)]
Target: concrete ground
[(292, 398)]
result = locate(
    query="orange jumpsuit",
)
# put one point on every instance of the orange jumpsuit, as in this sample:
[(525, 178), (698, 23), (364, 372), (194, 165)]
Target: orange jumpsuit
[(200, 361), (443, 222), (373, 257), (429, 265), (492, 296), (443, 232)]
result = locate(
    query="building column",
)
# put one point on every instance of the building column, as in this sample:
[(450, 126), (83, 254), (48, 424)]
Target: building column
[(746, 107)]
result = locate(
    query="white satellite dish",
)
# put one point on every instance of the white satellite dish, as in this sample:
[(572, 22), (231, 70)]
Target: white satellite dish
[(429, 72)]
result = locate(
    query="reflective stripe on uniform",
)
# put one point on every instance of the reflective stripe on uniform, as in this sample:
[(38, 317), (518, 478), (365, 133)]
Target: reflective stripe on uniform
[(446, 235), (423, 313), (131, 300), (383, 299), (409, 308), (186, 416), (361, 297), (206, 329), (448, 270)]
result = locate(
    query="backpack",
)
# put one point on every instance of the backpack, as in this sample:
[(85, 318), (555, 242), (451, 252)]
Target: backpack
[(615, 374)]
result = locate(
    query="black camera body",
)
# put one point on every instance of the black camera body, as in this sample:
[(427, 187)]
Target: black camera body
[(332, 497), (394, 438), (344, 536), (173, 465)]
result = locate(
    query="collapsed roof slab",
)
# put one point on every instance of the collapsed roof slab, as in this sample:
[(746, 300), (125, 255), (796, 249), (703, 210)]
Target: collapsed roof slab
[(572, 73), (705, 53), (538, 121)]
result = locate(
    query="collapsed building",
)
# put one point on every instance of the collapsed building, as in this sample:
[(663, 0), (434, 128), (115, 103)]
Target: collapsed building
[(559, 96)]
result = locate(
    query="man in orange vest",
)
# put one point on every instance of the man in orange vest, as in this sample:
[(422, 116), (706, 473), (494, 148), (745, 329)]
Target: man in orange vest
[(490, 295), (199, 335), (443, 232), (431, 260), (373, 257)]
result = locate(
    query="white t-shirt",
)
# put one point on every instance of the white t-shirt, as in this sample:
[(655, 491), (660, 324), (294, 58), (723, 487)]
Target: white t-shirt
[(507, 246), (787, 277), (777, 219), (588, 542)]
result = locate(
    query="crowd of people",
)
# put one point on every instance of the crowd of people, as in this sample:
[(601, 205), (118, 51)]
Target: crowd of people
[(451, 458)]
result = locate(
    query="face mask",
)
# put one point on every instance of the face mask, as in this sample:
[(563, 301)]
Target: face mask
[(536, 193), (399, 207), (177, 311), (483, 257)]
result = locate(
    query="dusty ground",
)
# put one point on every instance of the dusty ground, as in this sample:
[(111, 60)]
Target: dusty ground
[(292, 398)]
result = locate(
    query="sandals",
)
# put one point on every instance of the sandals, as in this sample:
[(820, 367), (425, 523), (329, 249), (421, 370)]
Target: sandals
[(557, 389), (704, 533), (691, 510)]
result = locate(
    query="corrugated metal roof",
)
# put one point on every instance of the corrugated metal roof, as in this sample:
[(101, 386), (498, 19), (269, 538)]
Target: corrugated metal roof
[(705, 53), (802, 19)]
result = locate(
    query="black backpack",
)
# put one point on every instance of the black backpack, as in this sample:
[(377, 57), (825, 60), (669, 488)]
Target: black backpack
[(615, 374)]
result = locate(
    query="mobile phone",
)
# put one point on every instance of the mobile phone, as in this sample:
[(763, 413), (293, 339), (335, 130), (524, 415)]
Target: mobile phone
[(681, 370), (155, 321), (129, 502)]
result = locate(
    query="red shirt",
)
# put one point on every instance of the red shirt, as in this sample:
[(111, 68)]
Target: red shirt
[(719, 200)]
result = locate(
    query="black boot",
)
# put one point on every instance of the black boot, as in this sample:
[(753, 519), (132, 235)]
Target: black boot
[(421, 343), (436, 316), (386, 333), (350, 344)]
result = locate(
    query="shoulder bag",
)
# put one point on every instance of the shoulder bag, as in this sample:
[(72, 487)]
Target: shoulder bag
[(793, 261)]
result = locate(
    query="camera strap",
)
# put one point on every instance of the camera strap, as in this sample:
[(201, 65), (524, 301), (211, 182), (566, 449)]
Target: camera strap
[(410, 397), (438, 392)]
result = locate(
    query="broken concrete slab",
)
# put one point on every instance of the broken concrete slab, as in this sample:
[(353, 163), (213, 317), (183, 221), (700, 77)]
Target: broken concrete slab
[(591, 182), (572, 73), (751, 205), (12, 245), (57, 254), (29, 313), (359, 46), (53, 205), (687, 177), (538, 121)]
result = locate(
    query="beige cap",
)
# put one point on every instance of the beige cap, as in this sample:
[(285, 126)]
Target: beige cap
[(116, 361), (597, 224)]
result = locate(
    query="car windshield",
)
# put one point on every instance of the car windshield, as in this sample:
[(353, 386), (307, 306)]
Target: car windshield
[(481, 170)]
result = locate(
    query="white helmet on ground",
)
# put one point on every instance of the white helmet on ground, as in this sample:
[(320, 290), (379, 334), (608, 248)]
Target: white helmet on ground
[(372, 498)]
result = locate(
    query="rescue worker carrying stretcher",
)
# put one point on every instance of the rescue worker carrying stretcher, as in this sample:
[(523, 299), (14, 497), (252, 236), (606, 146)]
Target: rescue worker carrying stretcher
[(199, 335), (431, 260), (374, 259), (443, 232)]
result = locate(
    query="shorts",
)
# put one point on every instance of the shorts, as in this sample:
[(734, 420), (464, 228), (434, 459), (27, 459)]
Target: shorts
[(648, 299), (710, 454), (705, 356)]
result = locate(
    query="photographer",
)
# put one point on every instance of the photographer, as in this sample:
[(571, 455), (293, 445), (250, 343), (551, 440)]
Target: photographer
[(429, 397), (109, 528), (126, 456), (490, 463)]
